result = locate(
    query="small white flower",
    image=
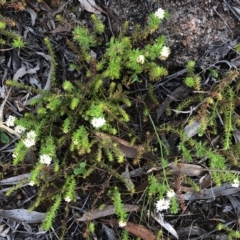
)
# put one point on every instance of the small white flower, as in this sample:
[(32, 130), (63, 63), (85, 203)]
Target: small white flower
[(19, 129), (29, 142), (10, 121), (140, 59), (122, 224), (75, 142), (45, 159), (162, 204), (160, 13), (31, 135), (14, 155), (170, 193), (98, 122), (164, 53), (235, 183), (31, 183), (67, 199)]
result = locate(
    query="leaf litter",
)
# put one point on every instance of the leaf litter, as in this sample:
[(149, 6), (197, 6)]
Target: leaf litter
[(108, 210), (207, 194)]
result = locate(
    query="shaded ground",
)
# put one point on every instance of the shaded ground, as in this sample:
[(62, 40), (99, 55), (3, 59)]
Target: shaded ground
[(200, 30)]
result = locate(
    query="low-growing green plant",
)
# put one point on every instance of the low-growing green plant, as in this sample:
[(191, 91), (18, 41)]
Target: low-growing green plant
[(215, 114), (118, 206), (18, 43), (6, 32), (73, 127), (125, 235), (192, 80), (231, 234), (81, 169), (76, 118)]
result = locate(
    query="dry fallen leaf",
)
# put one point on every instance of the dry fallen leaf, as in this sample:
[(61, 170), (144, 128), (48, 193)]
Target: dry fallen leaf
[(15, 180), (43, 6), (37, 5), (159, 218), (135, 229), (47, 86), (205, 181), (23, 215), (236, 135), (5, 232), (128, 150), (2, 227), (109, 210), (187, 232), (23, 71), (225, 189), (111, 234), (178, 93), (33, 15), (91, 6), (139, 231), (183, 168), (127, 177), (60, 29), (125, 147), (187, 169), (192, 129)]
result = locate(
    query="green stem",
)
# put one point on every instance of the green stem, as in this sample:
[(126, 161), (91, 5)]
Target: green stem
[(161, 149)]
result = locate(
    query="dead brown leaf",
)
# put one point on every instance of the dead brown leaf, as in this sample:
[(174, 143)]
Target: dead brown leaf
[(109, 210), (160, 219), (183, 168), (44, 6), (187, 169), (125, 147), (135, 229), (178, 93), (139, 231), (23, 215), (225, 189), (39, 5), (91, 6), (205, 181), (61, 28), (128, 150)]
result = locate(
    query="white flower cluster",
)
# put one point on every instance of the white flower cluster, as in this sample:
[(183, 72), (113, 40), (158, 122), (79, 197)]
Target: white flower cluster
[(98, 122), (75, 142), (31, 183), (10, 121), (20, 129), (160, 13), (164, 204), (140, 59), (29, 141), (164, 53), (45, 159), (122, 224), (235, 183), (67, 199), (170, 193)]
